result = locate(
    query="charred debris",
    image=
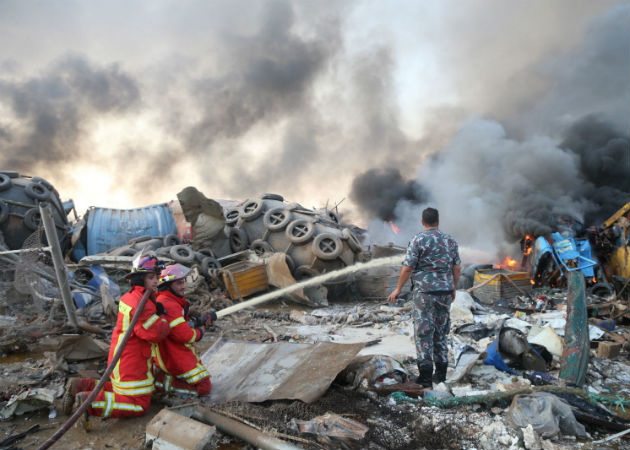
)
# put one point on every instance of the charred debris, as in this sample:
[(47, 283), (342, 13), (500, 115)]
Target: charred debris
[(538, 348)]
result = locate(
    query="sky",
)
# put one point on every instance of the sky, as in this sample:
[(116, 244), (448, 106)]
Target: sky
[(496, 112)]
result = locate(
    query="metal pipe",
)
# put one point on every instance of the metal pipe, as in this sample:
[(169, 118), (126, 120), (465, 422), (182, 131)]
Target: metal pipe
[(57, 257), (66, 426), (250, 435)]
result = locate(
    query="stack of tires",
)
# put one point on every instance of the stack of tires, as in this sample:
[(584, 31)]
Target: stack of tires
[(313, 240), (20, 196), (171, 247)]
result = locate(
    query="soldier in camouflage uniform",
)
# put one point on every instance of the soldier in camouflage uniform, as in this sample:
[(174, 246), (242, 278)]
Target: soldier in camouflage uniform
[(433, 263)]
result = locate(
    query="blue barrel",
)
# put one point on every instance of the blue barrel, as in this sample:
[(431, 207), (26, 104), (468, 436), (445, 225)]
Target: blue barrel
[(110, 228)]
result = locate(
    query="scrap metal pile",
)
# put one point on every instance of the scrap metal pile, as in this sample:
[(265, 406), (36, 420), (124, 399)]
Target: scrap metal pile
[(538, 350)]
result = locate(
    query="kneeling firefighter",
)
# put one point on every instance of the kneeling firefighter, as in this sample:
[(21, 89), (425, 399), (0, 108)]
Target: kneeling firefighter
[(128, 393), (179, 368)]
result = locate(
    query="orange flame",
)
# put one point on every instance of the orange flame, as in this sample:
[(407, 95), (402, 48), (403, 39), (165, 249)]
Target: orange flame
[(528, 251), (395, 229), (508, 263), (594, 280), (532, 282)]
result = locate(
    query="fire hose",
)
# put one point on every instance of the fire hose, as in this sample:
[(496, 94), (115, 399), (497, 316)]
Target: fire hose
[(66, 426)]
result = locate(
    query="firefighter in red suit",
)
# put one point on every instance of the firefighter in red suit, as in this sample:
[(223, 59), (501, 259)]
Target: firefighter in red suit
[(128, 393), (179, 369)]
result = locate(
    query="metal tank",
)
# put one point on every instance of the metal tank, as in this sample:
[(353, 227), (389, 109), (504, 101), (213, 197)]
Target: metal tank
[(20, 196)]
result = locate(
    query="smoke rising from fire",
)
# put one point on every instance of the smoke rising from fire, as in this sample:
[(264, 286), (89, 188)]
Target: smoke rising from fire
[(239, 98)]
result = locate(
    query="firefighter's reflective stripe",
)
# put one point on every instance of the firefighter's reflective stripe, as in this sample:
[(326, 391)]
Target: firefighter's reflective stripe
[(184, 391), (176, 322), (125, 309), (110, 404), (150, 321), (131, 388), (193, 339), (158, 358), (194, 375)]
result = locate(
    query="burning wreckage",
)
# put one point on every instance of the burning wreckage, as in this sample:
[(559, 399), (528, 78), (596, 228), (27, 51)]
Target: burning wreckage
[(538, 356)]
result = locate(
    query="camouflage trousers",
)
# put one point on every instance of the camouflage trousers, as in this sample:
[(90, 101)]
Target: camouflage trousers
[(432, 322)]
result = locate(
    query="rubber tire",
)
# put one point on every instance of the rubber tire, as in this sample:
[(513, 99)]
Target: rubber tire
[(127, 252), (40, 180), (139, 239), (207, 251), (31, 190), (10, 173), (261, 247), (31, 219), (238, 240), (164, 251), (5, 182), (600, 286), (304, 272), (269, 220), (290, 263), (277, 197), (4, 212), (187, 257), (304, 238), (352, 240), (232, 216), (171, 239), (252, 209), (327, 239), (209, 263)]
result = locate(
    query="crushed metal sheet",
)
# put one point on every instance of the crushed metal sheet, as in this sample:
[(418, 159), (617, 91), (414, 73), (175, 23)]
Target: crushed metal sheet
[(255, 372)]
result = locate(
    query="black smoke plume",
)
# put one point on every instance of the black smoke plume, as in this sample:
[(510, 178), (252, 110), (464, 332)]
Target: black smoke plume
[(377, 192)]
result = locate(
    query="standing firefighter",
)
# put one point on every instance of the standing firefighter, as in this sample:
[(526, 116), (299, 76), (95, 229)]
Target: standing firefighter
[(180, 370), (132, 383), (433, 264)]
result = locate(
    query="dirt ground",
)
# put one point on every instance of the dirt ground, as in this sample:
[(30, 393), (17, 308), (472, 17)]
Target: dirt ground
[(391, 426)]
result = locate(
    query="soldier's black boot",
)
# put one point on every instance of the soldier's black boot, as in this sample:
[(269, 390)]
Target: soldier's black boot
[(426, 372), (440, 372)]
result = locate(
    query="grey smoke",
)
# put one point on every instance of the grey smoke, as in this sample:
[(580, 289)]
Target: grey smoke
[(53, 108)]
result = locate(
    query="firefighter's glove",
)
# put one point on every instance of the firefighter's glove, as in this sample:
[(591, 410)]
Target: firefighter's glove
[(160, 310), (208, 319), (200, 333)]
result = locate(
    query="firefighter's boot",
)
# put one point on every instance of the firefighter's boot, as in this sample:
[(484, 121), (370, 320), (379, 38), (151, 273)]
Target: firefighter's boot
[(73, 387)]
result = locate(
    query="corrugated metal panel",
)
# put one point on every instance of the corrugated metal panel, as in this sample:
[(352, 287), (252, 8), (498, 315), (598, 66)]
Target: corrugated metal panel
[(255, 372), (110, 228)]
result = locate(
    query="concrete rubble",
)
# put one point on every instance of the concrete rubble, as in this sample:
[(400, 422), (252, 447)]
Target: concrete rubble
[(329, 366)]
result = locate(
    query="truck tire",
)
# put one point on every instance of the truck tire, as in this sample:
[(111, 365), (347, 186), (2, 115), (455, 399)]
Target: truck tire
[(5, 181), (261, 247), (209, 263), (277, 219), (304, 272), (238, 240), (231, 216), (182, 254), (277, 197), (300, 231), (37, 191), (352, 240), (171, 239), (327, 246), (32, 219), (252, 209)]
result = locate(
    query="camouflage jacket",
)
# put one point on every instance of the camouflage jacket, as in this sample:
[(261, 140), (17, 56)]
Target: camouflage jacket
[(432, 254)]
